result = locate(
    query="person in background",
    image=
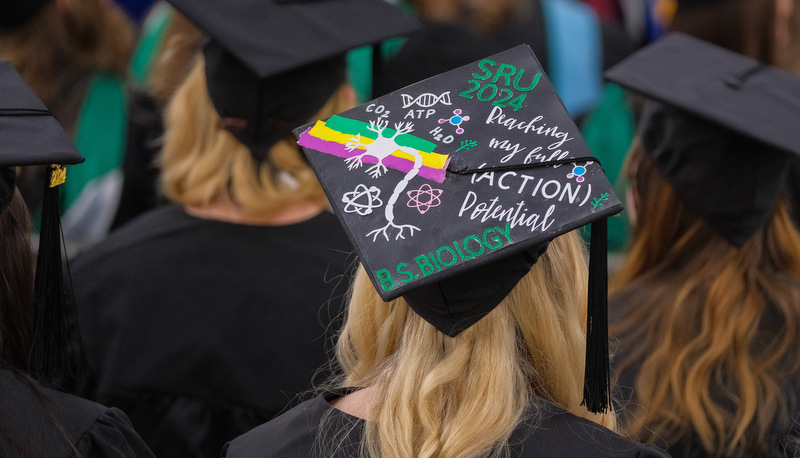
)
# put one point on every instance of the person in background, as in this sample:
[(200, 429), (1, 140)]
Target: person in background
[(74, 54), (458, 345), (759, 29), (756, 28), (205, 317), (706, 307), (166, 53), (36, 419)]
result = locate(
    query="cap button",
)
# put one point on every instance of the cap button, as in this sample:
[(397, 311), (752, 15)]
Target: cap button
[(457, 164)]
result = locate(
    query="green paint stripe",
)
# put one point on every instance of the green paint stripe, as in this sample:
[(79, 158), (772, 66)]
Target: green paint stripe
[(353, 126)]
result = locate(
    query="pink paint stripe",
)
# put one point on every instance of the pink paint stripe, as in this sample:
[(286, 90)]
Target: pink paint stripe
[(339, 150)]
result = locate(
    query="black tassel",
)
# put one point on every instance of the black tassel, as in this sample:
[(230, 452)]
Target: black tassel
[(597, 384), (51, 359)]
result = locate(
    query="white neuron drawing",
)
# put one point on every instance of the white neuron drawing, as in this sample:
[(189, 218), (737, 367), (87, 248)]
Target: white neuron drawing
[(381, 148)]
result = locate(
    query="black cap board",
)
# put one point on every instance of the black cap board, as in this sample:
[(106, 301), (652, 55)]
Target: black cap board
[(30, 135), (451, 188), (273, 63), (721, 128)]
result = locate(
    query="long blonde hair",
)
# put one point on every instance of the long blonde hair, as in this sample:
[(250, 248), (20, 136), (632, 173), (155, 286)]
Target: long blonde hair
[(463, 396), (181, 42), (203, 163), (693, 323)]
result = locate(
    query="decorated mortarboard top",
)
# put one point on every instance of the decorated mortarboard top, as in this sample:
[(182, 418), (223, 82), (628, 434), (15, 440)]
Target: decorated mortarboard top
[(451, 187), (457, 171), (30, 135), (721, 127), (291, 42)]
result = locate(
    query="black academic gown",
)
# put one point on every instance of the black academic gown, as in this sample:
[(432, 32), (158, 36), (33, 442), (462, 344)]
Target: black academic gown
[(93, 429), (554, 432), (201, 330)]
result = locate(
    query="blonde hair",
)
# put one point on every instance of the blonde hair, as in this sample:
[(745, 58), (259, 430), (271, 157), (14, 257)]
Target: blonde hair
[(181, 43), (203, 163), (692, 323), (463, 396)]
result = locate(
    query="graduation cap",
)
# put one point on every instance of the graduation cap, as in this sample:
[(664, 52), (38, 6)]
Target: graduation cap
[(452, 187), (271, 64), (721, 127), (29, 136)]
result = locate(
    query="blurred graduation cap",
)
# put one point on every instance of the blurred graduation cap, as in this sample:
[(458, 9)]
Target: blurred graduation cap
[(31, 136), (721, 127), (271, 64), (452, 187)]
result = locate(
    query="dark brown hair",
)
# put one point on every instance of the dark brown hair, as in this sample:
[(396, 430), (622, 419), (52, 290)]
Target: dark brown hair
[(16, 285), (16, 320)]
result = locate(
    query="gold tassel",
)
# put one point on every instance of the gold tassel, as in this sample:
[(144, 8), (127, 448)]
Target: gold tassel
[(58, 176)]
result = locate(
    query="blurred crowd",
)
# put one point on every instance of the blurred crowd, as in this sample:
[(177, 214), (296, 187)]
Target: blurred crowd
[(210, 287)]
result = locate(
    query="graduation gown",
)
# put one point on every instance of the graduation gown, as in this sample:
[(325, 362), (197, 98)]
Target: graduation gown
[(553, 432), (201, 329), (95, 430)]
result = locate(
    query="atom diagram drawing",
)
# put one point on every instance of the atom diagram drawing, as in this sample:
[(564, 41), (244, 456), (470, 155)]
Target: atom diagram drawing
[(362, 200), (424, 198), (578, 171), (456, 120)]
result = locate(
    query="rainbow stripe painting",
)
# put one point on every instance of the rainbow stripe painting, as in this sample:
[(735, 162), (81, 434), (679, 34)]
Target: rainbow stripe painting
[(332, 136)]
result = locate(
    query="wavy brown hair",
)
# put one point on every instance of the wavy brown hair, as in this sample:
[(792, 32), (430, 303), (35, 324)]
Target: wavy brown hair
[(711, 328)]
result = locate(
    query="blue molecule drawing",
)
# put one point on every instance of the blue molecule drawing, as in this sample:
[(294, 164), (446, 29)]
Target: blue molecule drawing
[(456, 120), (578, 171)]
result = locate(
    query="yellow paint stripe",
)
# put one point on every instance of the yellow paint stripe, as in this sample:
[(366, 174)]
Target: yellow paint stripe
[(323, 132)]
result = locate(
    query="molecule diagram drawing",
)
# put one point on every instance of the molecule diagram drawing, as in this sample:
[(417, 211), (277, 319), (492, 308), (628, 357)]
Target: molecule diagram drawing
[(456, 120)]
